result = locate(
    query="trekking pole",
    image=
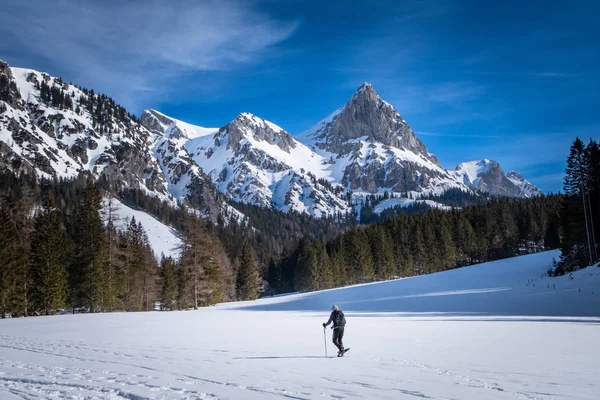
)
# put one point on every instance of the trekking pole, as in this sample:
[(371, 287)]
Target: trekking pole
[(325, 341)]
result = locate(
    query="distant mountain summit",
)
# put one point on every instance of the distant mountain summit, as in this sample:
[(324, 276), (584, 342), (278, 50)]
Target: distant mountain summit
[(368, 117), (371, 148), (487, 176)]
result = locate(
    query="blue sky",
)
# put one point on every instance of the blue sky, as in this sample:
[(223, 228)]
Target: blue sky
[(514, 81)]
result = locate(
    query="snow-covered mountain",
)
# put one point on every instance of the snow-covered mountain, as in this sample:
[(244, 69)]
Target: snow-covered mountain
[(254, 161), (487, 176), (371, 148), (54, 129)]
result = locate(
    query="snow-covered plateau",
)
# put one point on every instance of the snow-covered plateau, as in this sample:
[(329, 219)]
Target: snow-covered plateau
[(501, 330)]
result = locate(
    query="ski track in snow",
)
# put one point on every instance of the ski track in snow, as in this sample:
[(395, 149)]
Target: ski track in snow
[(232, 351)]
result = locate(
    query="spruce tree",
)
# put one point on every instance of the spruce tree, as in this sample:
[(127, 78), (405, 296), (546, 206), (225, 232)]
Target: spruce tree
[(383, 256), (88, 274), (47, 261), (9, 263), (307, 268), (168, 284), (248, 279), (574, 226)]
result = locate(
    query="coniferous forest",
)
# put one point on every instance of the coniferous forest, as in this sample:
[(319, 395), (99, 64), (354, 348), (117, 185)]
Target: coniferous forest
[(61, 251)]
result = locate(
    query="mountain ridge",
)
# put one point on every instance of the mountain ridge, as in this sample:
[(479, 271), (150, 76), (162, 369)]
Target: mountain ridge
[(364, 147)]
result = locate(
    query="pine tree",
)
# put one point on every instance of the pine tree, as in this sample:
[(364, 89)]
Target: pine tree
[(325, 271), (47, 262), (195, 249), (448, 256), (307, 268), (574, 227), (168, 284), (248, 279), (184, 295), (114, 259), (383, 256), (465, 240), (148, 269), (139, 268), (9, 262), (88, 273)]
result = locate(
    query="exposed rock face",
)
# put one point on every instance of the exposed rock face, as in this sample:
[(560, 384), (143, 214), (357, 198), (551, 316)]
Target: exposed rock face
[(525, 187), (261, 130), (367, 115)]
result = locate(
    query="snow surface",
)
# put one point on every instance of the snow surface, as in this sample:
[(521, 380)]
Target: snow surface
[(482, 332), (163, 239), (404, 202), (189, 130)]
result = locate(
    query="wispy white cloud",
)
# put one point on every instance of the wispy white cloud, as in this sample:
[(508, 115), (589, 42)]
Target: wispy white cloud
[(129, 48), (463, 135), (551, 74)]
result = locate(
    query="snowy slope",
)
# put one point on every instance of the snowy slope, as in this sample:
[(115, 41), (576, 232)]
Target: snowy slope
[(483, 332), (163, 239), (403, 202), (498, 288)]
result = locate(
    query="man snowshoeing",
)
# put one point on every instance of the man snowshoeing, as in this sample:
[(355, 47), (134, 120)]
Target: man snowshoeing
[(339, 322)]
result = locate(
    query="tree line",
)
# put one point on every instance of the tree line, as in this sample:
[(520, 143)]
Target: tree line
[(580, 208), (422, 243)]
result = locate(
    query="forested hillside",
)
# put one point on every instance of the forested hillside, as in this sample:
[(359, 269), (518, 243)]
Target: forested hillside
[(423, 243)]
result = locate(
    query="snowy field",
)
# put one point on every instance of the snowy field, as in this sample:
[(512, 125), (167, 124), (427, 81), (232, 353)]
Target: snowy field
[(495, 331)]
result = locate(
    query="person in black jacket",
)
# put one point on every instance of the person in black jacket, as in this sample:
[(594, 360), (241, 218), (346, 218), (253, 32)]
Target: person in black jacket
[(339, 322)]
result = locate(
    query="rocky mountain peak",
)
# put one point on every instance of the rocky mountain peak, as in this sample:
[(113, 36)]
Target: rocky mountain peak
[(366, 116), (514, 175), (366, 90), (154, 121), (525, 187), (247, 125)]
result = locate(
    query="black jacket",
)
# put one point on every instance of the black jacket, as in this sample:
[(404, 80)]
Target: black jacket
[(337, 317)]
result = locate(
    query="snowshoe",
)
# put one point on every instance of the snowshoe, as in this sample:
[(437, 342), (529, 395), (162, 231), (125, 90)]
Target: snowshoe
[(341, 353)]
